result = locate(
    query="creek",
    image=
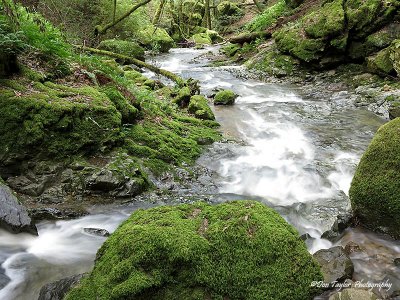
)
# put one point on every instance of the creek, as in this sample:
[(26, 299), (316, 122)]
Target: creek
[(293, 152)]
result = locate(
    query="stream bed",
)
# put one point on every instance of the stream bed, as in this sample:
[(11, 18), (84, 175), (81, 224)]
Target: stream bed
[(293, 152)]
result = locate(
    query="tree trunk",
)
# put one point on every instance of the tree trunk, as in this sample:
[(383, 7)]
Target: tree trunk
[(207, 13), (114, 10), (101, 30), (158, 13), (175, 78), (249, 37)]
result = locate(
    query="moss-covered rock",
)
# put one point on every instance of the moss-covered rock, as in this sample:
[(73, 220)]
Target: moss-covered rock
[(227, 8), (326, 22), (128, 112), (201, 39), (214, 36), (375, 188), (54, 120), (395, 56), (198, 106), (183, 97), (380, 62), (152, 37), (127, 48), (235, 250), (225, 97), (291, 39)]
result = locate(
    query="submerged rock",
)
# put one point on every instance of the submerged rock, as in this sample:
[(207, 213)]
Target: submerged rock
[(57, 290), (235, 250), (13, 216), (335, 263)]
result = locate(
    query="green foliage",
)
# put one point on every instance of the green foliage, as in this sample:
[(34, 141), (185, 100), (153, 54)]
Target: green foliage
[(375, 188), (235, 250), (127, 48), (225, 97), (268, 16), (198, 106)]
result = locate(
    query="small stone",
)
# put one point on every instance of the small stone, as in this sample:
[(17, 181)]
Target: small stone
[(57, 290), (352, 247), (97, 231)]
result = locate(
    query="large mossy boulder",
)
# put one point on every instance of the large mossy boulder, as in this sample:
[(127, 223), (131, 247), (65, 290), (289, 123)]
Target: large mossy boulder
[(375, 188), (380, 63), (126, 48), (227, 8), (235, 250), (155, 38), (53, 120)]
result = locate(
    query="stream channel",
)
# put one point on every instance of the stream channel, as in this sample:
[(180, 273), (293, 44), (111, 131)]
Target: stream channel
[(293, 152)]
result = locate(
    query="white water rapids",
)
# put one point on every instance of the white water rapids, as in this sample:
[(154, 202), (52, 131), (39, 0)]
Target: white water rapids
[(294, 153)]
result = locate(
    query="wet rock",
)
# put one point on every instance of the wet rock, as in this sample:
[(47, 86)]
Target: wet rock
[(97, 231), (4, 279), (343, 220), (57, 290), (103, 181), (352, 247), (49, 213), (13, 216), (353, 294), (396, 262), (335, 264), (225, 97)]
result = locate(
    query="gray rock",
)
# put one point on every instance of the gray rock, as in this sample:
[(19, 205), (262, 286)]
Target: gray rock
[(57, 290), (49, 213), (104, 181), (397, 262), (335, 264), (353, 294), (4, 279), (13, 216), (97, 231)]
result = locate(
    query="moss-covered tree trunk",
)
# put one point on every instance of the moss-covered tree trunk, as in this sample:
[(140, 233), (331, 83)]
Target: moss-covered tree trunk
[(114, 10), (158, 12)]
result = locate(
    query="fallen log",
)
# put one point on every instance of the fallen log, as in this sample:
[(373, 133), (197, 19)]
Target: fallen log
[(249, 37), (175, 78)]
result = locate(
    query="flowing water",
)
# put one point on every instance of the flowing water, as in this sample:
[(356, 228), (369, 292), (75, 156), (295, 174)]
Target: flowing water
[(293, 152)]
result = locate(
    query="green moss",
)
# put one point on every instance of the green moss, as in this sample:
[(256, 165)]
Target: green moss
[(291, 39), (56, 120), (326, 22), (225, 97), (268, 16), (214, 36), (155, 38), (227, 8), (395, 56), (375, 188), (273, 63), (230, 49), (198, 106), (201, 39), (183, 97), (127, 48), (167, 133), (128, 112), (235, 250), (364, 16), (380, 62)]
